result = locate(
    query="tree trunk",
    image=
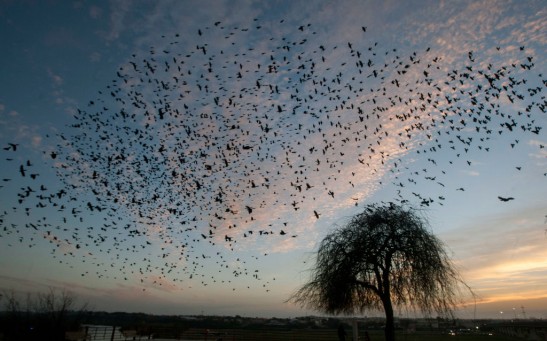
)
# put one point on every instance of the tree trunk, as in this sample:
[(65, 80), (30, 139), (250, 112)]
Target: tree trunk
[(389, 330)]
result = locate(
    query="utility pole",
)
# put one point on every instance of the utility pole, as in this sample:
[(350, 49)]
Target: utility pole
[(515, 313), (113, 333)]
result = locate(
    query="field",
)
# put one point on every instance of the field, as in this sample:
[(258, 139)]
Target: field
[(378, 336), (327, 335), (105, 334)]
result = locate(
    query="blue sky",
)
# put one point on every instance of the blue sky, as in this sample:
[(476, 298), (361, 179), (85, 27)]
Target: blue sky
[(63, 59)]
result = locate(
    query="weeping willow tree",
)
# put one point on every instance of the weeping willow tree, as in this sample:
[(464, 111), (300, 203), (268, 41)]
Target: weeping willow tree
[(383, 258)]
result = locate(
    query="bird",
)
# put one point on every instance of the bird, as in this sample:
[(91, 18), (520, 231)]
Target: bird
[(505, 199), (197, 146), (11, 146)]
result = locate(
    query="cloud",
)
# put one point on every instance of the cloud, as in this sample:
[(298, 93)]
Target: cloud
[(10, 282), (95, 12), (57, 80), (505, 257), (460, 28), (118, 14), (470, 172), (36, 140), (95, 57), (506, 308), (161, 283), (540, 155)]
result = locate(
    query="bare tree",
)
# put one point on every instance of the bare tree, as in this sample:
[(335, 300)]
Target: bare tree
[(12, 304), (48, 315), (55, 306), (382, 258)]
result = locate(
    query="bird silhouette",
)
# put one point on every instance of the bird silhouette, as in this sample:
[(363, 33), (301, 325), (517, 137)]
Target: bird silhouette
[(198, 146), (505, 199)]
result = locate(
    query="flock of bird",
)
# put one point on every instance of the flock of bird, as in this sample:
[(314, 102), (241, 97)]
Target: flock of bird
[(193, 153)]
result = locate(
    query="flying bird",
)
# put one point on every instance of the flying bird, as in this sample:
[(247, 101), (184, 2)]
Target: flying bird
[(505, 199), (185, 142)]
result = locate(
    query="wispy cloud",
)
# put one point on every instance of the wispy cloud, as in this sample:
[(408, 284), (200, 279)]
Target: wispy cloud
[(118, 13), (319, 164), (95, 12), (505, 258)]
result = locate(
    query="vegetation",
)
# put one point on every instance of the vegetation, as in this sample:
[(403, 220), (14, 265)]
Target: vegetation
[(384, 257), (43, 316)]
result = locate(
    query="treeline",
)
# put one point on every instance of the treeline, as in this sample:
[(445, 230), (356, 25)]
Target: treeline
[(47, 316), (41, 316), (138, 321)]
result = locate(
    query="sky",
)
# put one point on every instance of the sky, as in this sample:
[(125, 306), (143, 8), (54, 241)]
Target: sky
[(187, 157)]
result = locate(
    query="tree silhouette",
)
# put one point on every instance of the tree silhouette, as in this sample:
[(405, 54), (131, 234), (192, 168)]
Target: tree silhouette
[(382, 258), (42, 316)]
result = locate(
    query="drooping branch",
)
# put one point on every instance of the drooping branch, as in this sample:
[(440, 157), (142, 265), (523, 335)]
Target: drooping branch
[(384, 257)]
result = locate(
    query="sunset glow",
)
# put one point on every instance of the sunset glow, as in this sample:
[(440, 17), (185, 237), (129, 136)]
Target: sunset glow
[(187, 157)]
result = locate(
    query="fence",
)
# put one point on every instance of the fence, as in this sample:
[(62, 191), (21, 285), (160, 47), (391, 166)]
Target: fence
[(99, 333)]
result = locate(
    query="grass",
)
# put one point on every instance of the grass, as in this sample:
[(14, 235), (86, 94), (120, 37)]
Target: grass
[(428, 336), (331, 335)]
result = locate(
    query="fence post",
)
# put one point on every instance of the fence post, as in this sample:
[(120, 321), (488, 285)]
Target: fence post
[(113, 332)]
